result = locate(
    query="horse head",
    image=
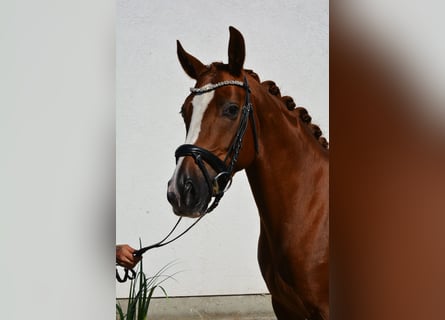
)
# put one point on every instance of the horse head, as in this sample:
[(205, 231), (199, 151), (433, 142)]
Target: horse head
[(216, 115)]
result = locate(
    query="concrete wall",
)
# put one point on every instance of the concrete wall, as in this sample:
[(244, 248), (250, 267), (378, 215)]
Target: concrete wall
[(286, 41)]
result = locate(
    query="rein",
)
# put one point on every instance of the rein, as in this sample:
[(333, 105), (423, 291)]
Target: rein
[(223, 179), (130, 273)]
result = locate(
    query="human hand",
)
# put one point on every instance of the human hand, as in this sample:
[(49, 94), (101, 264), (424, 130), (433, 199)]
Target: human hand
[(124, 256)]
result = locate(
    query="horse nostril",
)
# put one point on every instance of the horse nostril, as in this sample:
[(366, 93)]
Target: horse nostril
[(189, 193), (188, 186)]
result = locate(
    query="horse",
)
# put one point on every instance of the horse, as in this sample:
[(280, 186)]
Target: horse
[(236, 122)]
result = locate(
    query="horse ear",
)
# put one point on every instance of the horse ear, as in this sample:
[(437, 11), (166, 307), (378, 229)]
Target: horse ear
[(237, 51), (192, 66)]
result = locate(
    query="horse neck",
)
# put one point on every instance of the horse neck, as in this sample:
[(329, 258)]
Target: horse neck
[(289, 177)]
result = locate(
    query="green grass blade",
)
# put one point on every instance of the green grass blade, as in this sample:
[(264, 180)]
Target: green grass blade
[(120, 312), (141, 292)]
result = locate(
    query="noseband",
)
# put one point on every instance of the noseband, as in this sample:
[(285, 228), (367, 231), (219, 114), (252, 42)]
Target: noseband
[(223, 179)]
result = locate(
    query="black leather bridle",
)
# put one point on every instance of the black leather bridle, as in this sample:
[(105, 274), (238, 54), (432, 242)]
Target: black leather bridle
[(224, 172)]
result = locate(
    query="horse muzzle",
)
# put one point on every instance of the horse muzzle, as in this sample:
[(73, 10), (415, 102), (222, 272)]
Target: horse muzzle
[(187, 191), (194, 183)]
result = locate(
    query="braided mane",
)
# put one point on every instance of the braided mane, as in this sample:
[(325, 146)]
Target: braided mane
[(288, 101)]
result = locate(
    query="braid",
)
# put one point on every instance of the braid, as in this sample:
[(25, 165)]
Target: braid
[(253, 74), (304, 115), (289, 103), (316, 131), (324, 142), (273, 89)]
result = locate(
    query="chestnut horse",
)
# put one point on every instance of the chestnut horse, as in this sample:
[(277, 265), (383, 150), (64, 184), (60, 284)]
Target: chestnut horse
[(234, 122)]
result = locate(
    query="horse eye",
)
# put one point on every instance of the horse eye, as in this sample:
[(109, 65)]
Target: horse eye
[(231, 111)]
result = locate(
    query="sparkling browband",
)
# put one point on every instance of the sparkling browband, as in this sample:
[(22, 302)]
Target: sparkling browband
[(211, 86)]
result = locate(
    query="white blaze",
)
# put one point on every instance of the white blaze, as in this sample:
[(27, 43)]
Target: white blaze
[(200, 103)]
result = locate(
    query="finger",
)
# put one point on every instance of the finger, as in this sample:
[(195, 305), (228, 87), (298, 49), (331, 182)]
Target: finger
[(128, 248), (134, 261), (127, 264), (130, 257)]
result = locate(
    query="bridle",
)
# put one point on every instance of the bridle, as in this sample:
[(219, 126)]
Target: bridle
[(224, 172)]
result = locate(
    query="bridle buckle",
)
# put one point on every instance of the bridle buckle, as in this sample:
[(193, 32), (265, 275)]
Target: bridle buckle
[(225, 183)]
